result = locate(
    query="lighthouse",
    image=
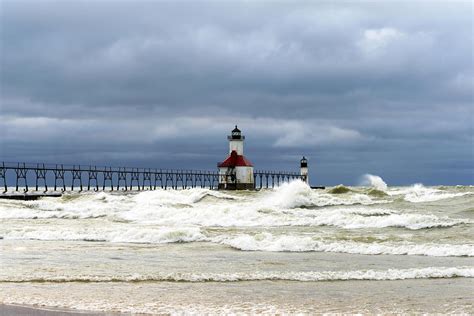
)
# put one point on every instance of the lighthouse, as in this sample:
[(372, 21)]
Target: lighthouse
[(304, 170), (236, 172)]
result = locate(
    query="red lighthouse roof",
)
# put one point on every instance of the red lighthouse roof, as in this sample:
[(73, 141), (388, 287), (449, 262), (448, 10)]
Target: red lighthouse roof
[(234, 160)]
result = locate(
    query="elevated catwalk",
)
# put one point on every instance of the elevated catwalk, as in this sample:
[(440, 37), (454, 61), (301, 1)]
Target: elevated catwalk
[(26, 179)]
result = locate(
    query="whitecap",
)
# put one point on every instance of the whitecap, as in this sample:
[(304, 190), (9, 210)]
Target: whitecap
[(374, 181), (291, 243), (156, 235)]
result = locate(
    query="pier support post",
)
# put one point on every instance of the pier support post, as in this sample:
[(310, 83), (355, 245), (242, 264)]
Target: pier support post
[(215, 179), (76, 175), (207, 178), (3, 177), (188, 177), (197, 177), (135, 175), (108, 177), (158, 177), (92, 173), (179, 177), (21, 172), (146, 177), (41, 174), (168, 176), (59, 175)]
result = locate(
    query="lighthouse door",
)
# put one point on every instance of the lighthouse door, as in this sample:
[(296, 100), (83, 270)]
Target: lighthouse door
[(231, 179)]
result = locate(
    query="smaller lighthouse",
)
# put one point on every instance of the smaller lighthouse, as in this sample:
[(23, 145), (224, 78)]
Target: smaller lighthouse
[(236, 172), (304, 170)]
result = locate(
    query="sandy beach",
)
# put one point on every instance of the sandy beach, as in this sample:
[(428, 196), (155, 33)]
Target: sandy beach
[(24, 310), (448, 296)]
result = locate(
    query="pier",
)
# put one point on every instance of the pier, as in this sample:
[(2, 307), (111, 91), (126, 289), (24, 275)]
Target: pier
[(40, 179)]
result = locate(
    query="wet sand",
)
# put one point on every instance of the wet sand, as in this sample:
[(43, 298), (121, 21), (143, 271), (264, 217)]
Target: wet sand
[(22, 310), (445, 296)]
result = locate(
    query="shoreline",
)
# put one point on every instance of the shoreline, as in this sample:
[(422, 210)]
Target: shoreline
[(33, 310), (420, 296)]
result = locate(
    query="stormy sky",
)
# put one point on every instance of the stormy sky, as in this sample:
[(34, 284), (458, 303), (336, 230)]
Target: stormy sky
[(380, 87)]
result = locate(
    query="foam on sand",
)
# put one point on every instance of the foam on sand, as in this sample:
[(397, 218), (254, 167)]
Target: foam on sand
[(310, 276)]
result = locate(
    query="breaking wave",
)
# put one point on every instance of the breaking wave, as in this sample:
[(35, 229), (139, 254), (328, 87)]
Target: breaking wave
[(377, 193), (242, 215), (158, 235), (374, 181), (264, 241), (339, 189), (311, 276), (174, 216), (214, 208), (419, 194), (298, 194), (288, 243)]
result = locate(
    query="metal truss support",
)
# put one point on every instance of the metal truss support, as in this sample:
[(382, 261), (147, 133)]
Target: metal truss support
[(40, 172), (3, 177), (108, 177), (168, 176), (179, 178), (59, 175), (92, 173), (122, 176), (158, 177), (146, 177), (197, 177), (76, 175), (21, 172), (188, 179), (135, 176), (207, 178)]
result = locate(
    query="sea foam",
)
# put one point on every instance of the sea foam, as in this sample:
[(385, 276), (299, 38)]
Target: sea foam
[(154, 235), (374, 181), (419, 194), (291, 243), (310, 276)]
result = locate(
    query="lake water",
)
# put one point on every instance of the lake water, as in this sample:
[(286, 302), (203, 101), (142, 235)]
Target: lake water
[(289, 249)]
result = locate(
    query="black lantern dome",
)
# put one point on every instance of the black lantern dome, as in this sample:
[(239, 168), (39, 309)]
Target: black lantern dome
[(236, 134), (304, 162)]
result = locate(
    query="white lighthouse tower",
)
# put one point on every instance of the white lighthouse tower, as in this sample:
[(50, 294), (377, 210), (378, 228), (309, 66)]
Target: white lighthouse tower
[(304, 170), (236, 172)]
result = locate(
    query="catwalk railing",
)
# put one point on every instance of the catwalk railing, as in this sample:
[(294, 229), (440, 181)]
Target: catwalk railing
[(53, 177)]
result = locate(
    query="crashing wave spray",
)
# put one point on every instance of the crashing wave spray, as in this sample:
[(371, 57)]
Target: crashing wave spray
[(373, 181)]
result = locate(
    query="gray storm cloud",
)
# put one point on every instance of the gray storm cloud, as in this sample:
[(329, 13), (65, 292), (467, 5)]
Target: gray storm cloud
[(359, 87)]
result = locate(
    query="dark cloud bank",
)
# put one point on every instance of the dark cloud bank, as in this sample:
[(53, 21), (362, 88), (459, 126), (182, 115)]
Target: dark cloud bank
[(380, 87)]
